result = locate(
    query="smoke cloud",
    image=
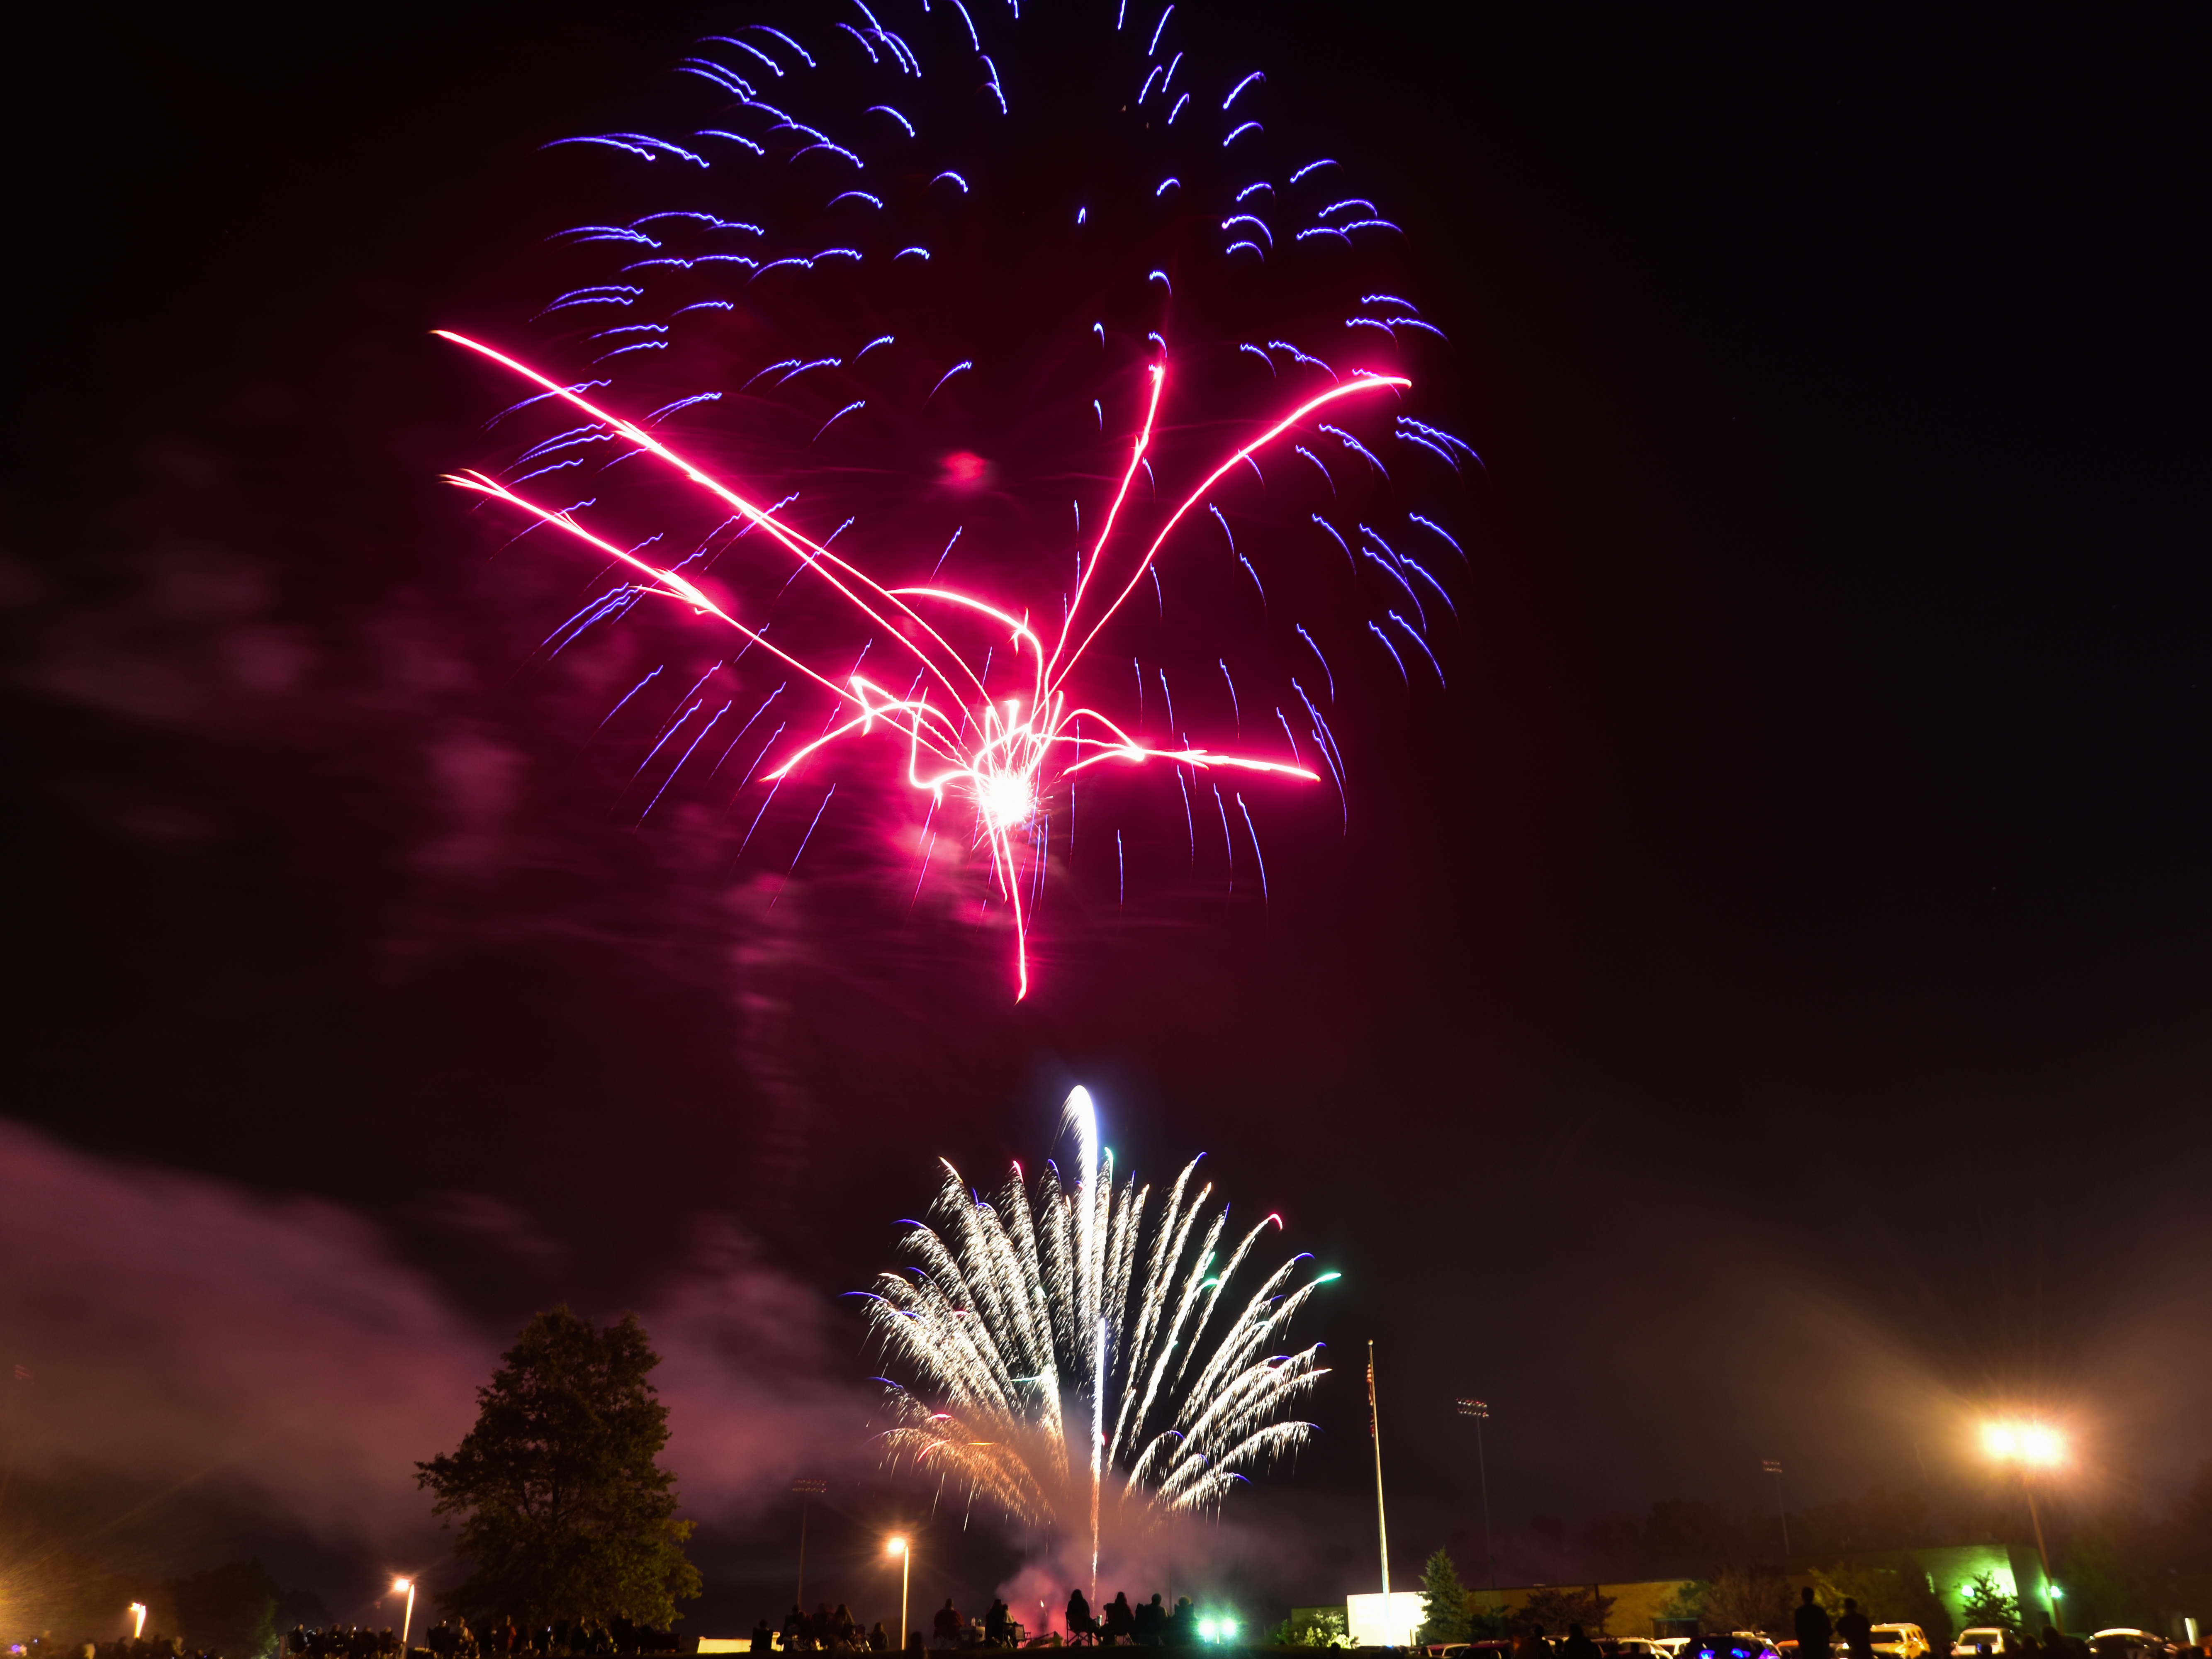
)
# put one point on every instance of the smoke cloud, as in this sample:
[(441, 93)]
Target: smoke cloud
[(169, 1330)]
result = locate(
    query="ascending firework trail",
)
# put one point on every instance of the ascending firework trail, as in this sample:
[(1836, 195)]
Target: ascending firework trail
[(986, 397)]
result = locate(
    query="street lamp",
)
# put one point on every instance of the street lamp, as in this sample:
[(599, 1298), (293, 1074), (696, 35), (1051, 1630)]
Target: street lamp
[(2033, 1447), (898, 1547), (406, 1623), (137, 1619), (805, 1489), (1480, 1411)]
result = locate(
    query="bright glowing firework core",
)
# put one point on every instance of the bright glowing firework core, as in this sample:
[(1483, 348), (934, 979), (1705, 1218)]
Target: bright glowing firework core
[(1001, 758), (1008, 801)]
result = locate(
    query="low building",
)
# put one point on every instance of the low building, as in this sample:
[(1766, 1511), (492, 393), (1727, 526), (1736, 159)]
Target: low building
[(1638, 1604), (1376, 1620)]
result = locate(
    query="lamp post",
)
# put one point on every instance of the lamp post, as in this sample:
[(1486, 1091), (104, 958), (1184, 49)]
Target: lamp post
[(137, 1619), (805, 1489), (1480, 1411), (407, 1621), (2033, 1447), (1781, 1505), (899, 1547)]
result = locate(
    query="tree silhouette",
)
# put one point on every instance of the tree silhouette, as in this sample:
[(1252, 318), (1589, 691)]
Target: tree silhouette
[(1443, 1601), (566, 1513)]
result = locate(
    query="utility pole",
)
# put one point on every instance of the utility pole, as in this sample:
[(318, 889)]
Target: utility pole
[(1781, 1506), (807, 1489), (1480, 1411)]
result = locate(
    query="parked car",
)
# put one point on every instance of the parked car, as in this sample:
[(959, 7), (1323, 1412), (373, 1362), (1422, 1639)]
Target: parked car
[(2125, 1642), (1634, 1647), (1901, 1641), (1979, 1639), (1736, 1645)]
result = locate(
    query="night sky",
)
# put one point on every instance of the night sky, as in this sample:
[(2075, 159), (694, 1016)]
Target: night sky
[(1757, 1011)]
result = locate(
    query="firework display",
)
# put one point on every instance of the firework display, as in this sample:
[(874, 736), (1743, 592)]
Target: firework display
[(1072, 1350), (997, 382)]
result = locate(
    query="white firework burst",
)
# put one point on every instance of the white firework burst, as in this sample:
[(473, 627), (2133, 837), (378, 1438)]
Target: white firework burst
[(1064, 1356)]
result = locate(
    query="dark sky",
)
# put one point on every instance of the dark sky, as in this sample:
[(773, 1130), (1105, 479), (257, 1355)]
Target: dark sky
[(1757, 1011)]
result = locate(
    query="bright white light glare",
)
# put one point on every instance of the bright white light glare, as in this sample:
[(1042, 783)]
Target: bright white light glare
[(2024, 1443), (399, 1585), (895, 1547), (1208, 1629), (1008, 801)]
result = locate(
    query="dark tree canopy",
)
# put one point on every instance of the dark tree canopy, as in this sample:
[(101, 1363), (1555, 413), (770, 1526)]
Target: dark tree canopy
[(1554, 1607), (228, 1611), (565, 1512)]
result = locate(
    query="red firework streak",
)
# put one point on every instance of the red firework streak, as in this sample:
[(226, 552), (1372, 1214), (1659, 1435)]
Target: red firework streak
[(1004, 756)]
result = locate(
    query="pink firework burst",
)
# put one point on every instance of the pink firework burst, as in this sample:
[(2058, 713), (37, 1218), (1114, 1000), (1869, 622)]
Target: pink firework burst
[(1007, 703)]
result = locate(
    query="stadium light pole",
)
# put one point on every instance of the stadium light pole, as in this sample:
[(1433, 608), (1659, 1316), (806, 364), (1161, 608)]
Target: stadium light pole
[(407, 1620), (807, 1489), (2032, 1447), (1480, 1411), (902, 1549), (1773, 1467)]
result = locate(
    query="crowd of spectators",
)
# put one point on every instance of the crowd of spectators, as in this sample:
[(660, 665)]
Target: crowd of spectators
[(834, 1630), (502, 1638)]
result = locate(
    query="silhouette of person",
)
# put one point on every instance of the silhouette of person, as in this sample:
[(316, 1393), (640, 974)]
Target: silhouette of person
[(1815, 1633), (947, 1623), (1080, 1624), (1152, 1622), (1577, 1646), (1857, 1630)]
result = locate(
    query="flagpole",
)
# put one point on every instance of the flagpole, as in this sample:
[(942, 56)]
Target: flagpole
[(1374, 1432)]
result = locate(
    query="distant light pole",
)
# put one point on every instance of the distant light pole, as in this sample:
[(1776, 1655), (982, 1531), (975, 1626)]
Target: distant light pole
[(807, 1489), (407, 1622), (1781, 1506), (137, 1619), (2033, 1447), (1480, 1411), (899, 1547)]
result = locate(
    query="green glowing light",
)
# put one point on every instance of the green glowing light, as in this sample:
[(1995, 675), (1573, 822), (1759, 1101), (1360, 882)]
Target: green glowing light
[(1325, 1277)]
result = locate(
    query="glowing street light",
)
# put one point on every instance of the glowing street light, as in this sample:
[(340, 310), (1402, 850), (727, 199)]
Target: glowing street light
[(2033, 1447), (2028, 1444), (898, 1547), (137, 1619), (406, 1623)]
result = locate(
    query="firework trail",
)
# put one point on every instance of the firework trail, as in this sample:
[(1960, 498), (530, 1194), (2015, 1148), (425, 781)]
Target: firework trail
[(923, 283), (1066, 1356)]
